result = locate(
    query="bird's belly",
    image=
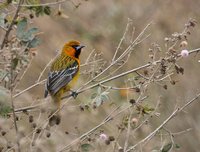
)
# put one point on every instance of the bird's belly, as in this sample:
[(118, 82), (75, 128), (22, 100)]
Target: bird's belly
[(71, 83)]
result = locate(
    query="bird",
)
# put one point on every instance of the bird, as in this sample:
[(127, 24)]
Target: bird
[(64, 72)]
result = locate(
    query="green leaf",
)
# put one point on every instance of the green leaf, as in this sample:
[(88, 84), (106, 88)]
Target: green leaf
[(93, 95), (35, 42), (29, 35), (47, 10), (167, 147), (98, 101), (104, 97), (21, 28), (2, 17), (9, 1), (147, 109), (3, 73), (85, 147), (99, 90), (39, 11), (14, 63), (177, 146), (4, 110), (5, 106), (105, 93), (3, 5)]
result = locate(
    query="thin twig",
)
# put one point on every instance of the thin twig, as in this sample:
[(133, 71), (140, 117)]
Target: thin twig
[(122, 39), (36, 84), (102, 82), (5, 29), (107, 119), (125, 73), (152, 134), (45, 4), (128, 130), (11, 24), (131, 46), (13, 107)]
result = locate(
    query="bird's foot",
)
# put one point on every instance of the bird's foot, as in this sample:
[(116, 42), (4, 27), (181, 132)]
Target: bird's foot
[(74, 94)]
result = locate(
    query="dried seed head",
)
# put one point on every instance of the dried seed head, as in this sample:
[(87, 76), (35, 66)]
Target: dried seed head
[(192, 22), (146, 72), (134, 120), (183, 44), (38, 130), (48, 134), (3, 133), (166, 39), (111, 138), (34, 52), (34, 125), (173, 82), (171, 50), (54, 120), (31, 16), (181, 70), (165, 87), (107, 142), (81, 108), (137, 89), (132, 101), (31, 119)]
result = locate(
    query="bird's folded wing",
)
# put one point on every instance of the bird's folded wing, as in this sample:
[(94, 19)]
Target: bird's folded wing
[(58, 79)]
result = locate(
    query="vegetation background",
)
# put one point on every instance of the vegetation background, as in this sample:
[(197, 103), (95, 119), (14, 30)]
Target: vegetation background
[(99, 25)]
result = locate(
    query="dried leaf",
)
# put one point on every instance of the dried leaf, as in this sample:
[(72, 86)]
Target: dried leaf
[(14, 63)]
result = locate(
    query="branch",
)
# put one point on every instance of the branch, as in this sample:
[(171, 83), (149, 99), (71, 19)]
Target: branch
[(45, 4), (110, 117), (152, 134), (123, 74), (100, 83), (11, 24), (13, 108)]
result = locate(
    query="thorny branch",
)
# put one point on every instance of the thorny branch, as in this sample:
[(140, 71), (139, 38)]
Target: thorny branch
[(152, 134), (5, 39), (125, 73), (45, 4), (100, 83), (110, 117)]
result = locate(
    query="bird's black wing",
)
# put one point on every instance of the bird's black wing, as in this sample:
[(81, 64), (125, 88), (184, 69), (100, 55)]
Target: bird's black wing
[(58, 79)]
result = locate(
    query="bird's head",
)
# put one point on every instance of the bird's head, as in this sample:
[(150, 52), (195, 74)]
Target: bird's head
[(72, 48)]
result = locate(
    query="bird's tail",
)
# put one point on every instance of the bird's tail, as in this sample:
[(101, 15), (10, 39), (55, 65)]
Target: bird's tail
[(57, 100), (55, 117)]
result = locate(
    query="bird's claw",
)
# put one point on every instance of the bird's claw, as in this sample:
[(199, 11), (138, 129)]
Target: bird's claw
[(74, 94)]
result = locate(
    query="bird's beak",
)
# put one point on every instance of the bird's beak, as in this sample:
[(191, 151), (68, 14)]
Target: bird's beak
[(80, 47)]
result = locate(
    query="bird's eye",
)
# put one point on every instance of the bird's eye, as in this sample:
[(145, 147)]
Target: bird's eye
[(77, 47), (74, 46)]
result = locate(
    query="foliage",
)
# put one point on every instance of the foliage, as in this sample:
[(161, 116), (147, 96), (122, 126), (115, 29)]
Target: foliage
[(99, 97)]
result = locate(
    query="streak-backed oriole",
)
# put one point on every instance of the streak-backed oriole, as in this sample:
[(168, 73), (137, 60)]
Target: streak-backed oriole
[(64, 71)]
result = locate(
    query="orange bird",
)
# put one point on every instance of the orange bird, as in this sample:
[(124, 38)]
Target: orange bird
[(64, 71)]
